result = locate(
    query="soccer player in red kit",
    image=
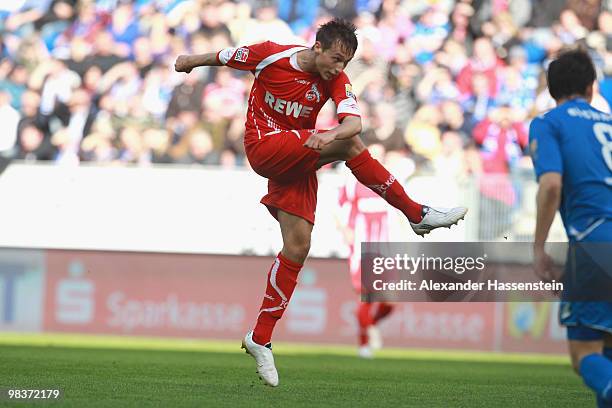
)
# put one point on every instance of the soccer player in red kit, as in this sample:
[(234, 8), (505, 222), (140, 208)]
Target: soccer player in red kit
[(291, 85), (367, 221)]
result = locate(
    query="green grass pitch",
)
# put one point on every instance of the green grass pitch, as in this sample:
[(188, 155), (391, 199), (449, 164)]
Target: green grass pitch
[(96, 371)]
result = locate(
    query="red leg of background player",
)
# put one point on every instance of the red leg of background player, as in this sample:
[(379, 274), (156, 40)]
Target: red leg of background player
[(383, 310), (364, 319)]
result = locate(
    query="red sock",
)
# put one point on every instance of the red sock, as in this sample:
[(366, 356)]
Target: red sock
[(282, 279), (382, 311), (364, 318), (373, 175)]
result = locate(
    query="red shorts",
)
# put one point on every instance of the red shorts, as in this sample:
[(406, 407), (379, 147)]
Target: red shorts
[(290, 168)]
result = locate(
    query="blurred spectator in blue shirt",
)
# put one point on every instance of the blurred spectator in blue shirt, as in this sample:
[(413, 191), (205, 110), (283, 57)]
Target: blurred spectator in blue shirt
[(299, 14)]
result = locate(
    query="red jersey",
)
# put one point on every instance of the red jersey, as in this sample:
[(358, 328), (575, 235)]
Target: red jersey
[(283, 96)]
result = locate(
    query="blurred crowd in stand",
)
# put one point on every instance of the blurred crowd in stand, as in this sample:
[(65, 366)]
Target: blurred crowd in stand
[(445, 87)]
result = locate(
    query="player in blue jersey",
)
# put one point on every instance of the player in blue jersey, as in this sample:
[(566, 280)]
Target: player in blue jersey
[(571, 148)]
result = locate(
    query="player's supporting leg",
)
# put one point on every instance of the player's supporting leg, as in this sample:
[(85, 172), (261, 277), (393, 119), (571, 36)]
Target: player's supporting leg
[(594, 368), (282, 279), (375, 176)]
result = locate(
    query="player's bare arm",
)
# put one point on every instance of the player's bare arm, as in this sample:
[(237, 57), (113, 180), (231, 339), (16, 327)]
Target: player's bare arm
[(548, 200), (185, 63), (350, 127)]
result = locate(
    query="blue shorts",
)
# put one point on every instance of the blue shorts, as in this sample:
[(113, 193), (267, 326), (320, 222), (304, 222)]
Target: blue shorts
[(582, 333), (586, 321), (586, 306)]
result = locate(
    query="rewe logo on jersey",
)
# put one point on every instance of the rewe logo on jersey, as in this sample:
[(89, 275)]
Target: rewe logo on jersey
[(289, 108)]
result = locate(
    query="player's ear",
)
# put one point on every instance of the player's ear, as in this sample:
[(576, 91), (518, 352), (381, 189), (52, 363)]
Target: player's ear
[(318, 47), (589, 93)]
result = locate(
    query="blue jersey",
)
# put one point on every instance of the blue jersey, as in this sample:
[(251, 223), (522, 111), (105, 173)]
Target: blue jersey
[(575, 140)]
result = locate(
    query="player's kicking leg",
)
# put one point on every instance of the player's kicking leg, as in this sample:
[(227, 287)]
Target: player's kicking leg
[(282, 279), (372, 174)]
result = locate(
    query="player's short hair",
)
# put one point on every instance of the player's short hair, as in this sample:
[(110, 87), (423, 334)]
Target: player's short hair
[(571, 73), (338, 31)]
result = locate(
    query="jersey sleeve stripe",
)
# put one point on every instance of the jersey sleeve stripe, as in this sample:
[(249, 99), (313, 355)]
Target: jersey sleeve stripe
[(348, 106), (271, 59)]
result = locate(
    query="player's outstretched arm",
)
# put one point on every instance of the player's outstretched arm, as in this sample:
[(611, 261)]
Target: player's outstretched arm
[(185, 63)]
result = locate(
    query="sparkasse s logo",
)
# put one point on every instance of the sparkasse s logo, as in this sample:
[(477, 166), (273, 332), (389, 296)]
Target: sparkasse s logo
[(74, 297)]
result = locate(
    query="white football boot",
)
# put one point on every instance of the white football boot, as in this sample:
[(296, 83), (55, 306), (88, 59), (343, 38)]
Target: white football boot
[(438, 217), (264, 359)]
